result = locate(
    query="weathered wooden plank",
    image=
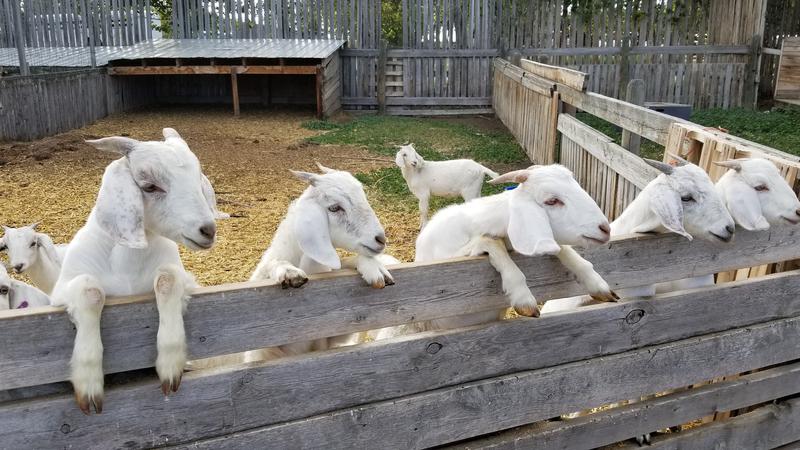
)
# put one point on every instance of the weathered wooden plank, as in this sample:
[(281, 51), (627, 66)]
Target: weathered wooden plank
[(623, 162), (568, 77), (766, 427), (439, 101), (427, 419), (621, 423), (220, 70)]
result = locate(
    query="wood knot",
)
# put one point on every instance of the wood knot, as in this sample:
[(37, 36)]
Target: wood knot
[(433, 348), (634, 316), (66, 428), (202, 338)]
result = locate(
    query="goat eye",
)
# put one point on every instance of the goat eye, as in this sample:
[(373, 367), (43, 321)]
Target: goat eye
[(151, 188), (3, 248), (334, 208), (687, 198), (761, 188), (3, 290), (553, 202), (33, 244)]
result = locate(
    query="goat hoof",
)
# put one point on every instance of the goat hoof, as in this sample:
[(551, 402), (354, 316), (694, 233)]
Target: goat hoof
[(379, 284), (527, 310), (85, 403), (643, 439), (611, 296), (171, 385), (296, 282)]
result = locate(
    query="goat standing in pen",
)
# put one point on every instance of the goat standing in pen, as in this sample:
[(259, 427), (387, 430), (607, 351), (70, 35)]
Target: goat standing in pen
[(150, 200), (33, 253), (333, 212), (452, 178), (544, 215)]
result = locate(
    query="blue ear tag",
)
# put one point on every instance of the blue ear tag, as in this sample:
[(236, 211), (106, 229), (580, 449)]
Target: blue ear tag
[(511, 188)]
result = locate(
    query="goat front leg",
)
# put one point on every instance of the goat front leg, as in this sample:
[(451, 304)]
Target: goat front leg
[(170, 289), (84, 299), (373, 272), (423, 209), (597, 287), (282, 271), (514, 284)]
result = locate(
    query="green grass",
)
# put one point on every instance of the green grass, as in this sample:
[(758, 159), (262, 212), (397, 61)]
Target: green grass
[(434, 139), (778, 128)]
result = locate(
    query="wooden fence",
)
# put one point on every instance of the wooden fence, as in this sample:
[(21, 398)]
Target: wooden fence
[(439, 387), (58, 102), (70, 23)]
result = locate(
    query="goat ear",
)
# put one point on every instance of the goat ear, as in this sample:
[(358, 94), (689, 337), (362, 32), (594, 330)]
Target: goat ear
[(33, 225), (313, 236), (19, 292), (743, 204), (529, 227), (516, 176), (3, 246), (170, 133), (211, 198), (45, 243), (120, 206), (668, 210), (115, 144), (308, 177)]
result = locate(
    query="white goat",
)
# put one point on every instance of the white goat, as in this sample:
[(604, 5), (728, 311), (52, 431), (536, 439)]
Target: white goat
[(332, 213), (452, 178), (33, 253), (151, 199), (756, 194), (547, 212), (15, 294)]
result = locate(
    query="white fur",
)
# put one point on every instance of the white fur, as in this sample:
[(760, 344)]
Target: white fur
[(33, 253), (151, 199), (15, 294), (531, 226), (333, 212), (452, 178), (683, 202)]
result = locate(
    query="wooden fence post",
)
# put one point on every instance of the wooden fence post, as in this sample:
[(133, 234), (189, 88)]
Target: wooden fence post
[(634, 94), (19, 38), (90, 31), (624, 65), (751, 69), (382, 77)]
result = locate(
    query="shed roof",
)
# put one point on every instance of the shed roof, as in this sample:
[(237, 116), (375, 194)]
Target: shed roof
[(176, 48)]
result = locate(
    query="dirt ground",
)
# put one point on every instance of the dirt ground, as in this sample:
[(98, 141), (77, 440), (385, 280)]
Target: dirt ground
[(55, 180)]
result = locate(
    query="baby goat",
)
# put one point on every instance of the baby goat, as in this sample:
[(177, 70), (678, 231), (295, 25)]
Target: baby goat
[(33, 253), (544, 215), (15, 294), (462, 177), (332, 213), (150, 200)]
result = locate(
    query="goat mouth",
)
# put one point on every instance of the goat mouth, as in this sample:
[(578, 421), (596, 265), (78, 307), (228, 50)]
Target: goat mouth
[(721, 238), (599, 241), (371, 250), (791, 221), (197, 245)]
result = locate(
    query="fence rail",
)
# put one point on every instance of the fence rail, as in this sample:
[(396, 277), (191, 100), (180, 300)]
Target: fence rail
[(381, 390)]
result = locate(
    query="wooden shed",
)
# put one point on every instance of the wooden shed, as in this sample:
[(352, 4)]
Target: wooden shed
[(787, 87), (304, 71)]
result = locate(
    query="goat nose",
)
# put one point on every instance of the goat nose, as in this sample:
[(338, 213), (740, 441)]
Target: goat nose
[(604, 228), (730, 229), (18, 268), (380, 239), (208, 230), (797, 212)]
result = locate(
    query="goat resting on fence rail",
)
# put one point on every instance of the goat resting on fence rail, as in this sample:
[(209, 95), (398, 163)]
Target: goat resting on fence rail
[(150, 200)]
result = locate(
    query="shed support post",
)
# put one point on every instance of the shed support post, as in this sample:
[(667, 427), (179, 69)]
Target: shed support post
[(634, 94), (19, 38), (235, 91), (319, 92), (382, 77)]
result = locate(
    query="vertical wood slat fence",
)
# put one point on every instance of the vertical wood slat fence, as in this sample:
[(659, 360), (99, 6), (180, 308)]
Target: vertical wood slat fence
[(446, 46), (70, 23)]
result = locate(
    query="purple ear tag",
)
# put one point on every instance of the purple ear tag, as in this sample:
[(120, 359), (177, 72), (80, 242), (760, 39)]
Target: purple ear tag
[(24, 304)]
